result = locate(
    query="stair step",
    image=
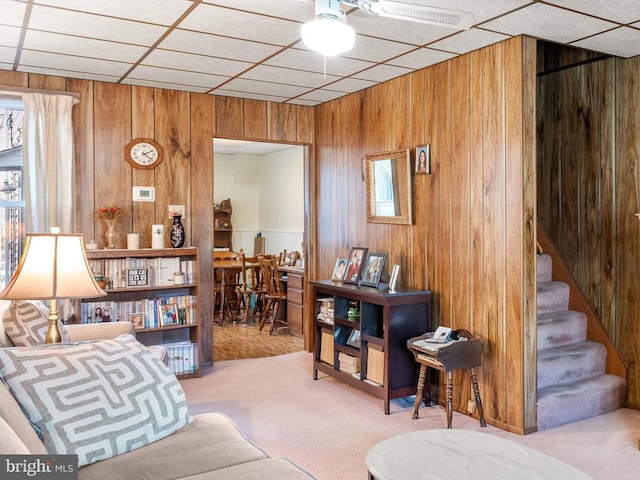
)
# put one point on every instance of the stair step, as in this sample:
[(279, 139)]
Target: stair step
[(552, 296), (561, 328), (586, 398), (543, 267), (569, 363)]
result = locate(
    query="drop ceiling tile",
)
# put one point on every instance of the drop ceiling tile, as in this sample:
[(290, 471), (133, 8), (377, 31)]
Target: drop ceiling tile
[(468, 41), (252, 96), (68, 73), (217, 46), (421, 58), (314, 62), (177, 76), (263, 88), (84, 47), (350, 85), (322, 95), (166, 85), (288, 76), (376, 50), (303, 103), (162, 12), (93, 26), (481, 10), (382, 73), (549, 23), (623, 42), (301, 11), (9, 36), (8, 55), (12, 12), (195, 63), (623, 11), (244, 25), (73, 64)]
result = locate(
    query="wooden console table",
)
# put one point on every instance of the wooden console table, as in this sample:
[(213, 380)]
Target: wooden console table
[(447, 357)]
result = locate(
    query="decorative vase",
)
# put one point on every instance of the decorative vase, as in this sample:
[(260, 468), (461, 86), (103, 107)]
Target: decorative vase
[(177, 232), (110, 235)]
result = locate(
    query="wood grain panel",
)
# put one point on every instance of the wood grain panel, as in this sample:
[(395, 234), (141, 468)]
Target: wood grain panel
[(201, 174), (14, 79), (112, 130), (229, 117), (304, 124), (255, 118), (143, 126), (46, 82), (281, 122)]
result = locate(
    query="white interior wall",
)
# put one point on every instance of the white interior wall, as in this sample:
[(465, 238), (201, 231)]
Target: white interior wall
[(267, 196)]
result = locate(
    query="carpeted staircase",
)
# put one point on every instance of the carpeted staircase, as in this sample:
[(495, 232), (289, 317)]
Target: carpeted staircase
[(572, 383)]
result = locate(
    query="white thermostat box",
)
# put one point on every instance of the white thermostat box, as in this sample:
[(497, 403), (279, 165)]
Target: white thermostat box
[(144, 194)]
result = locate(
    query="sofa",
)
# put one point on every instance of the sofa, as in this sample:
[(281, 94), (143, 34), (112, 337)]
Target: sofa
[(207, 446)]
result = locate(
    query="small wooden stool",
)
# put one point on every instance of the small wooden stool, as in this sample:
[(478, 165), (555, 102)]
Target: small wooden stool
[(447, 357)]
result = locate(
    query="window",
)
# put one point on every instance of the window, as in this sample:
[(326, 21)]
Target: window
[(11, 196)]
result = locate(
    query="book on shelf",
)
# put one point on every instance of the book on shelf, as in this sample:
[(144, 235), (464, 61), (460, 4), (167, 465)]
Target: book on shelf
[(182, 356), (160, 270)]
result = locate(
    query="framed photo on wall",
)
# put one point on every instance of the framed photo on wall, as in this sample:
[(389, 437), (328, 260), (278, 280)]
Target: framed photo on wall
[(355, 264), (339, 270), (373, 269), (423, 159)]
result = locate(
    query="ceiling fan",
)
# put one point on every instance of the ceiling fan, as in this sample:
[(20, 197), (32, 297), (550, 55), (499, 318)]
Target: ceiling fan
[(330, 35)]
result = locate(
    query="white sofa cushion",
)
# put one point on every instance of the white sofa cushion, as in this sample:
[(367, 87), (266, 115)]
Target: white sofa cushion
[(97, 399), (26, 323)]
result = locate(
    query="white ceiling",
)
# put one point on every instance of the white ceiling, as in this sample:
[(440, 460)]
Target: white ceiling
[(252, 48)]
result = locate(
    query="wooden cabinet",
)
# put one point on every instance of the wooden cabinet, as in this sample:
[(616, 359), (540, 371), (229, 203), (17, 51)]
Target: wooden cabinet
[(222, 226), (374, 341), (295, 295), (157, 290)]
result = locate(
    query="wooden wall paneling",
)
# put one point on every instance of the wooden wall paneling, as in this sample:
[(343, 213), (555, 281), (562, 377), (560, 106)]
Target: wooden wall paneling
[(143, 126), (112, 130), (610, 249), (572, 172), (83, 116), (46, 82), (304, 124), (460, 180), (413, 263), (494, 241), (14, 79), (349, 167), (627, 202), (326, 254), (515, 271), (281, 122), (255, 118), (201, 174), (173, 175), (229, 117)]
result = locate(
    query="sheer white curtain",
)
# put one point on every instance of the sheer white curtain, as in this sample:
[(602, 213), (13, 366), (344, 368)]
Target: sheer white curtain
[(49, 183)]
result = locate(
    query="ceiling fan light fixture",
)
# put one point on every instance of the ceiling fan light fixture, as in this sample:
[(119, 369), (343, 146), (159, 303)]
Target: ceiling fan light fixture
[(328, 36)]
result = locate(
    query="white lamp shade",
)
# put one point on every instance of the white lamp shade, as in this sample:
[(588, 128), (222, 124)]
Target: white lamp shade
[(328, 36), (52, 267)]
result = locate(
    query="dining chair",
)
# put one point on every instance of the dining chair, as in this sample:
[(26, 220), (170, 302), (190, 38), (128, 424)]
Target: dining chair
[(274, 294), (250, 290), (227, 266)]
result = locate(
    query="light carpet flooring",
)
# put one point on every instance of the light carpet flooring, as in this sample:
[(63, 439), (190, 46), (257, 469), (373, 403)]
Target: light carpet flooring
[(327, 427)]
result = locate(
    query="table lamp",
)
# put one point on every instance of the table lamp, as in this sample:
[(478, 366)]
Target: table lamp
[(53, 266)]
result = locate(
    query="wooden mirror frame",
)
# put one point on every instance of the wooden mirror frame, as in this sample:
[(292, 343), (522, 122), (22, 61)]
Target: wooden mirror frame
[(401, 187)]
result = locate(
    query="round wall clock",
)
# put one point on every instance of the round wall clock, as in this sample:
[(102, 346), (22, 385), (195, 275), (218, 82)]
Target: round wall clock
[(143, 153)]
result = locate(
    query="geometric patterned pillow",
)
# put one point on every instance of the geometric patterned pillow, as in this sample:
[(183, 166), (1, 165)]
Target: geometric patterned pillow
[(27, 321), (95, 399)]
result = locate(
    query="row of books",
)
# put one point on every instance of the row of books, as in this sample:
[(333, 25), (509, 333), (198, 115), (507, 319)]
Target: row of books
[(145, 313), (326, 310), (161, 270), (183, 356)]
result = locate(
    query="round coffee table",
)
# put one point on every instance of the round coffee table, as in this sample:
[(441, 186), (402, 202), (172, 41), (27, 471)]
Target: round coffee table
[(462, 455)]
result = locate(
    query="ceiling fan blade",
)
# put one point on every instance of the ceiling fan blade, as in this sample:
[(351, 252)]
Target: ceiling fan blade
[(441, 17)]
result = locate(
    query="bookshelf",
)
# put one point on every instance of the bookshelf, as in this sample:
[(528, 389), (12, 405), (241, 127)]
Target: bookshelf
[(223, 229), (369, 351), (142, 287)]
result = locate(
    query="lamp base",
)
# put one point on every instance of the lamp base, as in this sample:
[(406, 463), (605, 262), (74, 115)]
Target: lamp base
[(53, 334)]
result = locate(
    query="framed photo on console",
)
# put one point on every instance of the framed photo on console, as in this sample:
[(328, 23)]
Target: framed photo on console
[(355, 264), (373, 269), (339, 270)]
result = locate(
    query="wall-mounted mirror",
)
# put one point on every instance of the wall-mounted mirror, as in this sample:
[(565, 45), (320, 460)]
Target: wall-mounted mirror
[(388, 177)]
